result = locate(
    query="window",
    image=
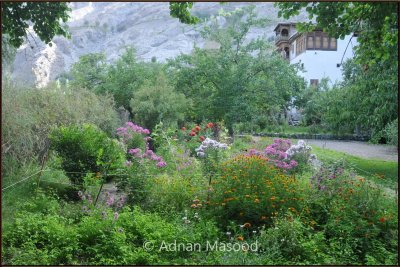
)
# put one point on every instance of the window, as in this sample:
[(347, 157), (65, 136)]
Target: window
[(321, 41), (314, 82), (333, 44), (325, 42), (317, 41), (310, 42)]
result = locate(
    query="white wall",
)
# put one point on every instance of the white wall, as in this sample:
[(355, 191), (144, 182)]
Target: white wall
[(319, 64)]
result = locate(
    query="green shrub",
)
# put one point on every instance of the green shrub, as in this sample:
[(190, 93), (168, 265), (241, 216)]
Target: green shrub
[(157, 102), (250, 190), (290, 241), (86, 149), (28, 116), (392, 132)]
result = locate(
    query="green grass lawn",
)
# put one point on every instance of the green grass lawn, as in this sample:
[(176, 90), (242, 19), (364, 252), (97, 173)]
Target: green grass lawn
[(381, 172)]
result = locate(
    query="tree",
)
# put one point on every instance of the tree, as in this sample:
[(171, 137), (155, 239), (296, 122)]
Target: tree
[(45, 17), (237, 81), (375, 23), (181, 11), (90, 71), (158, 101)]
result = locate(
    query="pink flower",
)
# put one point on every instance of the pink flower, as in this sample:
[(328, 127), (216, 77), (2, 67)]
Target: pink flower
[(116, 215), (161, 164)]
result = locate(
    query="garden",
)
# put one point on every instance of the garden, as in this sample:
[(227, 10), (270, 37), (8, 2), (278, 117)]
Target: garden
[(147, 163)]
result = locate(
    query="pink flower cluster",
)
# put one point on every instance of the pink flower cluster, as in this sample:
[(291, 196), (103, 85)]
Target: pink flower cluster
[(278, 155), (126, 134), (130, 126)]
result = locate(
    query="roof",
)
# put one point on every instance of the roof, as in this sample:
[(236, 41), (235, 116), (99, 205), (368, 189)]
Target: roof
[(284, 24)]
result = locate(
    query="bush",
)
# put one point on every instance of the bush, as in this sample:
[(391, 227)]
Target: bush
[(157, 102), (290, 241), (28, 116), (355, 216), (250, 190), (392, 132), (86, 149)]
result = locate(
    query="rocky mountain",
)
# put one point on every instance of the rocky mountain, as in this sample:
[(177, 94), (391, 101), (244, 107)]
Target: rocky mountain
[(111, 27)]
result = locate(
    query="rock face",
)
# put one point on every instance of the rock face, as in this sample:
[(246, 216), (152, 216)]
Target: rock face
[(111, 27)]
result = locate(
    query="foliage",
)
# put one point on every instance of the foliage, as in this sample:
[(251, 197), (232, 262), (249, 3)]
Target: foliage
[(46, 18), (392, 132), (155, 102), (250, 190), (236, 81), (90, 71), (181, 11), (375, 24), (290, 241), (29, 115), (352, 212), (121, 78), (86, 149)]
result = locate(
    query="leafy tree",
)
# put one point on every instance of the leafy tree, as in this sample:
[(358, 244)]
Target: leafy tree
[(158, 101), (181, 11), (90, 71), (45, 17), (237, 81), (375, 23)]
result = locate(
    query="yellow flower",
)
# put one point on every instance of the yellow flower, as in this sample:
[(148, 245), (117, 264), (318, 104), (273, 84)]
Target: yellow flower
[(256, 200)]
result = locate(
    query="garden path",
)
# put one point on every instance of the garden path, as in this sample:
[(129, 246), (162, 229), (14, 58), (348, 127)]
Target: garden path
[(355, 148), (359, 149)]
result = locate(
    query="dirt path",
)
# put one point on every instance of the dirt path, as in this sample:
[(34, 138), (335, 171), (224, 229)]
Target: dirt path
[(359, 149)]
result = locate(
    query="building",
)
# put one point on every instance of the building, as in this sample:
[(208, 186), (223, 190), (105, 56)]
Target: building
[(319, 54)]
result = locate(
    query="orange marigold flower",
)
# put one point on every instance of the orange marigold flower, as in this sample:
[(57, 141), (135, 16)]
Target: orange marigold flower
[(247, 196), (272, 198), (247, 225), (193, 206), (240, 238)]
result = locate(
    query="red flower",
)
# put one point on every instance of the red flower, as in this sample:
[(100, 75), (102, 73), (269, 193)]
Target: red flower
[(202, 138), (197, 128), (192, 133), (210, 125), (183, 129), (382, 219)]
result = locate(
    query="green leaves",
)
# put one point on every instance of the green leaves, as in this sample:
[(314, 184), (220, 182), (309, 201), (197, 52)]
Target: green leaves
[(45, 17), (181, 11), (376, 24)]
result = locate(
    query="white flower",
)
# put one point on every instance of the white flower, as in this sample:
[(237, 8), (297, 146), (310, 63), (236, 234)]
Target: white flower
[(301, 143), (228, 233)]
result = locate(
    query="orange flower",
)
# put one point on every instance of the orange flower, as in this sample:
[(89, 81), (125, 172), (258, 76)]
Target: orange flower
[(240, 238), (247, 225), (256, 200), (272, 198), (197, 128), (263, 217), (193, 206), (382, 219), (192, 133), (247, 196), (202, 138)]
